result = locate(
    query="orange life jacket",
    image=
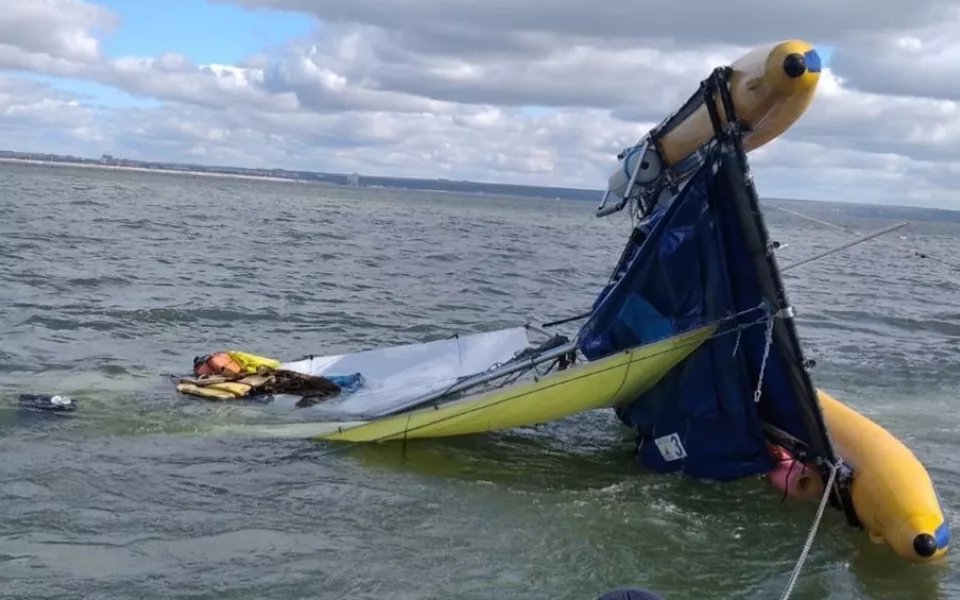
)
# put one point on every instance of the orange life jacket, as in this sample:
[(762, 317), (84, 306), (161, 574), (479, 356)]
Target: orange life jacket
[(218, 363)]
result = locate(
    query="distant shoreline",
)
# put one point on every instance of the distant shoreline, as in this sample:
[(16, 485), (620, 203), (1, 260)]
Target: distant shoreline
[(168, 171), (407, 184), (56, 163), (322, 182), (346, 180)]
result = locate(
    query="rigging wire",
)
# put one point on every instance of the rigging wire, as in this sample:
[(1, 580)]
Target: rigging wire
[(833, 250), (917, 252)]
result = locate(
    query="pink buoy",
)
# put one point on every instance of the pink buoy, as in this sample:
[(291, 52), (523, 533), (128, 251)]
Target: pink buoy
[(792, 477)]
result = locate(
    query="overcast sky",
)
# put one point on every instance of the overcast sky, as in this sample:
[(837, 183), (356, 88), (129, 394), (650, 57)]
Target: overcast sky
[(541, 92)]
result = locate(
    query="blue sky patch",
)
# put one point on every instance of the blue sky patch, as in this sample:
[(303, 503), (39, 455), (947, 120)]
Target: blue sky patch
[(534, 110), (825, 52), (204, 31)]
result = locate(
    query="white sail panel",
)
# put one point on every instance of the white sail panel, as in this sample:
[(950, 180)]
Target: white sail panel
[(397, 374)]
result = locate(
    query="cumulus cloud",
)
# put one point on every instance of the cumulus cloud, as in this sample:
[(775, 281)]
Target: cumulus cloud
[(58, 36), (917, 61), (509, 27), (520, 91), (30, 110)]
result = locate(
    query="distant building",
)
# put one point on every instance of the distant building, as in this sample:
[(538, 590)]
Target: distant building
[(106, 159), (353, 180)]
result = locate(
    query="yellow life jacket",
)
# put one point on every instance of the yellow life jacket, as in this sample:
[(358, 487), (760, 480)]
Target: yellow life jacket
[(251, 363)]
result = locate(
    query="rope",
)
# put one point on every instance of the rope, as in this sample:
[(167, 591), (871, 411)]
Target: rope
[(833, 472), (788, 591), (768, 342)]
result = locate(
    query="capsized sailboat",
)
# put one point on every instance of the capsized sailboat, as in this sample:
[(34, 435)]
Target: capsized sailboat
[(692, 342)]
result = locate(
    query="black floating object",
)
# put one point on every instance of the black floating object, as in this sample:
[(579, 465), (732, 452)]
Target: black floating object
[(630, 594), (925, 545), (794, 65), (57, 404)]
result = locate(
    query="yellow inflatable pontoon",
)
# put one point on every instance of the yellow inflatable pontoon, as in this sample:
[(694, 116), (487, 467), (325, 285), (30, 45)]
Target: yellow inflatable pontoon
[(892, 493), (770, 88)]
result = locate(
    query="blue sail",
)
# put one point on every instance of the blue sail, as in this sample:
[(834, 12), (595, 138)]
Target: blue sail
[(705, 259)]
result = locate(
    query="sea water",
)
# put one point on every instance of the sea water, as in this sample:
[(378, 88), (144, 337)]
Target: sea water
[(111, 281)]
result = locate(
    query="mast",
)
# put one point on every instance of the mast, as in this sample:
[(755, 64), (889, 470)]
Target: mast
[(757, 238)]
